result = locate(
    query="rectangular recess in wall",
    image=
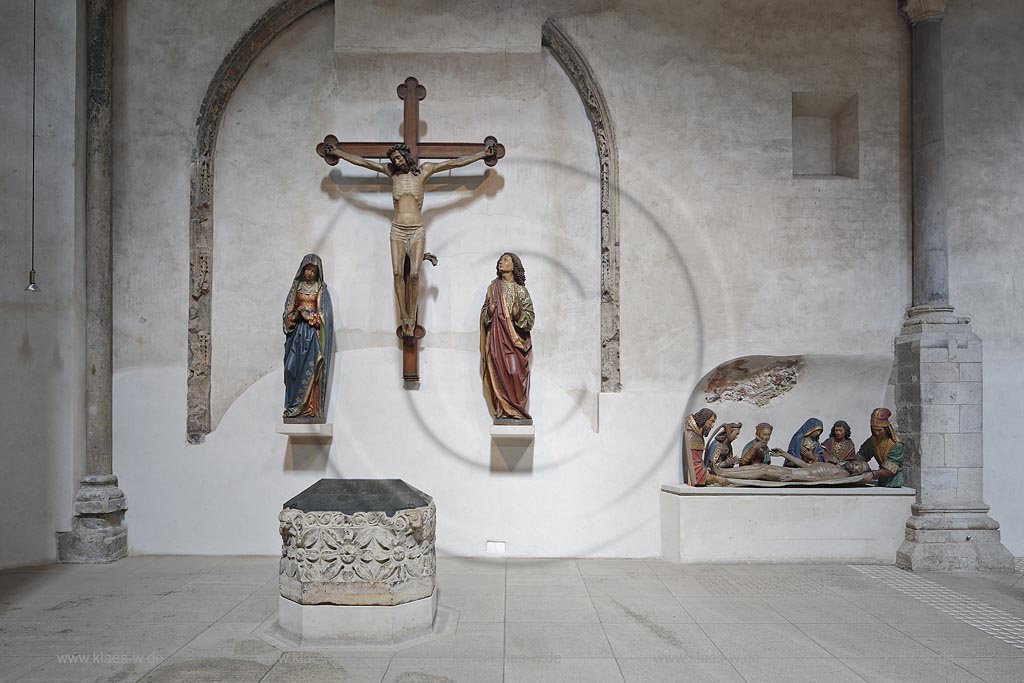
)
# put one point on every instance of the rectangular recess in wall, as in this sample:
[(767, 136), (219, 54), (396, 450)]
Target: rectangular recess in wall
[(496, 547), (826, 135)]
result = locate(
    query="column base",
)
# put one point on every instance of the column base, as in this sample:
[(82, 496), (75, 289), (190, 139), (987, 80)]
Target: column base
[(98, 533), (953, 538)]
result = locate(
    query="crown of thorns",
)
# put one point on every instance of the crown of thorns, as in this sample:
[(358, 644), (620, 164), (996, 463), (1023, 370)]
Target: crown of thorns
[(400, 147)]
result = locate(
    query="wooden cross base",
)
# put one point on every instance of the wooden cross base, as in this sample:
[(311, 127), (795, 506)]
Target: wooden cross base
[(411, 357)]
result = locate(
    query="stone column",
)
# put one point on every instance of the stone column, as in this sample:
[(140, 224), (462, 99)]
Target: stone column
[(938, 357), (98, 533)]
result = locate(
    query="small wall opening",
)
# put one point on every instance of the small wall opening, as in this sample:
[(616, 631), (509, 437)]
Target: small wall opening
[(826, 140)]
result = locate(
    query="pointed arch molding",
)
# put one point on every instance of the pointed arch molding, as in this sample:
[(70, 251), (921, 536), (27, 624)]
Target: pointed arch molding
[(200, 222), (578, 70), (201, 195)]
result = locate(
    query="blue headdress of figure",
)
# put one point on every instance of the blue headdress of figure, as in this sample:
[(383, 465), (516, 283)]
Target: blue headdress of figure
[(808, 427), (307, 350)]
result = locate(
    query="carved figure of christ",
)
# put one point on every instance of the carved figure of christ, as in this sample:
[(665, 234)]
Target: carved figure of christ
[(408, 236)]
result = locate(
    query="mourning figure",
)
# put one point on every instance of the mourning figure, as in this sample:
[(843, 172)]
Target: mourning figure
[(718, 452), (696, 428), (757, 451), (308, 323), (885, 447), (839, 449), (506, 320), (804, 444)]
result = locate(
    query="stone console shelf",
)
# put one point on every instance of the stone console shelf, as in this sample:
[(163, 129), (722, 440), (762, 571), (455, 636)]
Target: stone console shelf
[(323, 431)]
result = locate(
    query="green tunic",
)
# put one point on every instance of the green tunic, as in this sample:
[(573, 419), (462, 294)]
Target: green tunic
[(893, 461)]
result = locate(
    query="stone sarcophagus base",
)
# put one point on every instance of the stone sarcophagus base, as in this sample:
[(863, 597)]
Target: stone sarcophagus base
[(357, 563), (813, 524)]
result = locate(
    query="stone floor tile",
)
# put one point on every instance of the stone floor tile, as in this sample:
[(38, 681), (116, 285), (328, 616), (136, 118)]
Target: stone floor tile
[(313, 667), (819, 609), (686, 585), (900, 609), (267, 564), (678, 671), (209, 670), (182, 564), (474, 640), (650, 640), (550, 609), (638, 609), (667, 569), (190, 606), (224, 639), (484, 584), (541, 567), (912, 670), (470, 565), (993, 669), (473, 607), (795, 671), (43, 638), (546, 586), (249, 582), (142, 582), (89, 670), (255, 608), (34, 584), (95, 608), (627, 584), (722, 609), (853, 588), (585, 641), (554, 670), (763, 641), (960, 640), (429, 670), (876, 640), (19, 607), (13, 668), (140, 639), (612, 567)]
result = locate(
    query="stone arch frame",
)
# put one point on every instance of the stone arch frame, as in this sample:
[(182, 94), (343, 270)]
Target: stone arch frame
[(243, 53), (578, 70)]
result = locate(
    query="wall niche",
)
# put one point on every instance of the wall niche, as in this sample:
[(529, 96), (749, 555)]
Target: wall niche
[(826, 139)]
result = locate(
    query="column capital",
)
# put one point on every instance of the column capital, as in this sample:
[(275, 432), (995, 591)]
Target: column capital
[(917, 11)]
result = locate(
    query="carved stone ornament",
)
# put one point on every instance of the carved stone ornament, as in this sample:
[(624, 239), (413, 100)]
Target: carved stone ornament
[(917, 11), (366, 558)]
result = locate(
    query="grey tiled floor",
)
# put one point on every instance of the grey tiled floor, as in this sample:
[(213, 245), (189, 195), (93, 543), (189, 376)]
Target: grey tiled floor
[(180, 618)]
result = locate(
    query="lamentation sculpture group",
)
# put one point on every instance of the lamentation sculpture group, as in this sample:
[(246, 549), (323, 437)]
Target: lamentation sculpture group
[(806, 461)]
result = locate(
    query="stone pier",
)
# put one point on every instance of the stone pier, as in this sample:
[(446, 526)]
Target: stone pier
[(98, 533), (938, 357)]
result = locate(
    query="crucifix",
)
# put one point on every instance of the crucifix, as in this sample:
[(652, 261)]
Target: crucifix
[(408, 236)]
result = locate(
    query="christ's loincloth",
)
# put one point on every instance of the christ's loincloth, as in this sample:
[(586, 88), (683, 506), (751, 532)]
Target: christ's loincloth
[(407, 234)]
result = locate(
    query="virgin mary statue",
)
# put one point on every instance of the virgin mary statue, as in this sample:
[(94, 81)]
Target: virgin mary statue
[(308, 337)]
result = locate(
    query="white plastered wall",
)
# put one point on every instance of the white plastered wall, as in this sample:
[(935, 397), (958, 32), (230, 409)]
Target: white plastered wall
[(724, 254), (42, 369), (984, 114)]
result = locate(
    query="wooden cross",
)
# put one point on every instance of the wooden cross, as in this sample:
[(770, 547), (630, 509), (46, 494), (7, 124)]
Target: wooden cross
[(411, 92)]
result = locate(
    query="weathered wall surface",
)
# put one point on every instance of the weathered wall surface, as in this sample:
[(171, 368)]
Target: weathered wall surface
[(984, 96), (42, 368), (724, 254)]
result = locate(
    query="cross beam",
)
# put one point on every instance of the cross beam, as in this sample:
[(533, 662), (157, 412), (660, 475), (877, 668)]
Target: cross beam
[(411, 93)]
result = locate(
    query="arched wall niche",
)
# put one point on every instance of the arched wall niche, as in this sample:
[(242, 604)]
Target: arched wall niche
[(257, 37)]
